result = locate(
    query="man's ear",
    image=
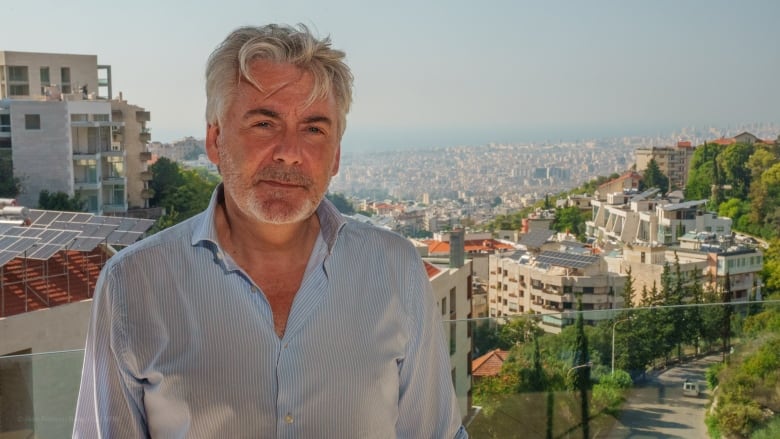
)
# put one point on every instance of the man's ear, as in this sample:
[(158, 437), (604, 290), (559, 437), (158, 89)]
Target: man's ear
[(336, 161), (212, 142)]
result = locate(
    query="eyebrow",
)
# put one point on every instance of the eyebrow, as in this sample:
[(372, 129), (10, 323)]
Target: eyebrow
[(316, 118), (262, 112)]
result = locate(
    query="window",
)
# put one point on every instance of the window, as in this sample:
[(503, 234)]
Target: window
[(18, 81), (444, 306), (45, 81), (100, 117), (32, 121), (17, 74), (65, 79), (5, 123)]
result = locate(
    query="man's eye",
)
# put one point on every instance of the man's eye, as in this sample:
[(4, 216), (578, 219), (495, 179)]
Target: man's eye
[(263, 124), (314, 130)]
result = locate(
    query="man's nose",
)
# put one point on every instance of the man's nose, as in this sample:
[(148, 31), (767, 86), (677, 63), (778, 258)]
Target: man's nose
[(288, 147)]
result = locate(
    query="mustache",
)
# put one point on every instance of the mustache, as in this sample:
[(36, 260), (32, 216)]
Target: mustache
[(282, 174)]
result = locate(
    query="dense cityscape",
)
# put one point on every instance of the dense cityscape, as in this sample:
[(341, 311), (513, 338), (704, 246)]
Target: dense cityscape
[(688, 218)]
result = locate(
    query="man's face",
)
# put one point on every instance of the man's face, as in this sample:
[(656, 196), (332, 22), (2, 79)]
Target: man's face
[(276, 155)]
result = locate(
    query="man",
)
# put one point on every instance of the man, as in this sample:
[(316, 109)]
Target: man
[(269, 314)]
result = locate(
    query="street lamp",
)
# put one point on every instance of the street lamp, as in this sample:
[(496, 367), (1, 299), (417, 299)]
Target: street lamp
[(588, 364), (614, 325)]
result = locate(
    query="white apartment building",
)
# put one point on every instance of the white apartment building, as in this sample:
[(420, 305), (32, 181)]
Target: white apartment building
[(628, 219), (548, 284), (453, 291), (65, 134)]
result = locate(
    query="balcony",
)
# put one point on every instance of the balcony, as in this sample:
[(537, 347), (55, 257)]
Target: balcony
[(145, 136), (145, 156), (86, 185), (113, 180), (114, 208), (43, 387), (142, 116), (146, 176), (147, 194)]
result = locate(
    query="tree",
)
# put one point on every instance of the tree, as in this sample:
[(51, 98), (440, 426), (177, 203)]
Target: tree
[(581, 368), (570, 219), (732, 163), (10, 186), (166, 179), (342, 204), (701, 176), (654, 178), (60, 201)]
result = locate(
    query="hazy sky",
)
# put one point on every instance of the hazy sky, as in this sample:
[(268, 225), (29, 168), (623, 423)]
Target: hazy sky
[(437, 73)]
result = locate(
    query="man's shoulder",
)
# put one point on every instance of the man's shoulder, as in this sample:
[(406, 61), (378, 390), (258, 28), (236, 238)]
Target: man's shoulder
[(366, 231), (165, 240)]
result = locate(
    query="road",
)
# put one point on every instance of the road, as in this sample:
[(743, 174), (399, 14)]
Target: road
[(657, 409)]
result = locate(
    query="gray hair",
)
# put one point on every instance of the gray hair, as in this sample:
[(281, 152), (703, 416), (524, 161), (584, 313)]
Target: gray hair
[(231, 60)]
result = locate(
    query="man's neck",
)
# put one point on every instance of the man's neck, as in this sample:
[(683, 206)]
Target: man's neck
[(247, 239)]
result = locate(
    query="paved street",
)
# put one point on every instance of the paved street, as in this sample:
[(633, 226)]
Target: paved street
[(658, 409)]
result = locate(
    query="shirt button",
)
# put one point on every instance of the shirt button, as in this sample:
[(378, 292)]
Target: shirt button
[(288, 419)]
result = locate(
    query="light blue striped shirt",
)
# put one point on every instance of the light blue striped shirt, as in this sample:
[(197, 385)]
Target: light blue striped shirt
[(181, 343)]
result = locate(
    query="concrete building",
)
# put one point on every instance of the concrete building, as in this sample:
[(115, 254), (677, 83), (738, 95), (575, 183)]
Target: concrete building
[(673, 161), (66, 135), (548, 285)]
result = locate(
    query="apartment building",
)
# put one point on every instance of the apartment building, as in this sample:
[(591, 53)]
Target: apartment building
[(66, 134), (452, 280), (673, 161), (644, 234), (548, 284)]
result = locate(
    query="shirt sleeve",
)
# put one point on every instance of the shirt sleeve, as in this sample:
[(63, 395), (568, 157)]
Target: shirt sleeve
[(427, 404), (110, 401)]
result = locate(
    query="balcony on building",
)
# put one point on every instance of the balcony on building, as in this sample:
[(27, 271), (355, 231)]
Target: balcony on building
[(114, 150), (145, 156), (147, 194), (145, 136), (143, 116), (113, 180), (114, 208), (146, 176)]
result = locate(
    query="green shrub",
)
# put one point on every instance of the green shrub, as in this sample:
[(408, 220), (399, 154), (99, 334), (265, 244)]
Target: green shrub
[(712, 375), (769, 431)]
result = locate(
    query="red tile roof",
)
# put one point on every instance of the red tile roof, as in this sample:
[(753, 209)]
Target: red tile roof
[(684, 144), (723, 141), (431, 269), (489, 364), (470, 246)]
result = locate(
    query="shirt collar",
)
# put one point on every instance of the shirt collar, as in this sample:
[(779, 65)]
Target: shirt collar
[(331, 221)]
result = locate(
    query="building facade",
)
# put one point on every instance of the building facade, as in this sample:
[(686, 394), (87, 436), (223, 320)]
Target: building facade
[(66, 135)]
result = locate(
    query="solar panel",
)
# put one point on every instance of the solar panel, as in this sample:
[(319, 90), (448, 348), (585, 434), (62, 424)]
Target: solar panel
[(85, 244), (115, 237), (566, 259), (65, 217), (127, 224), (130, 237), (142, 225), (14, 231), (82, 218), (103, 231), (44, 252), (64, 237), (4, 227), (42, 218), (6, 257), (22, 245)]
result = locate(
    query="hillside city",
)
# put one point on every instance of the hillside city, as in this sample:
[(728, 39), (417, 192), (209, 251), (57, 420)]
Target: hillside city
[(83, 177)]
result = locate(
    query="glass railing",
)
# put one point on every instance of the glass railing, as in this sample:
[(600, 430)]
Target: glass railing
[(643, 372)]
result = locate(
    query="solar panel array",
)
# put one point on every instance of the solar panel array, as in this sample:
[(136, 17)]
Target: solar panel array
[(535, 238), (50, 232), (567, 260)]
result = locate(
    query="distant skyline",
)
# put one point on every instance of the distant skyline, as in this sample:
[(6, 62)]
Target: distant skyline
[(442, 73)]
